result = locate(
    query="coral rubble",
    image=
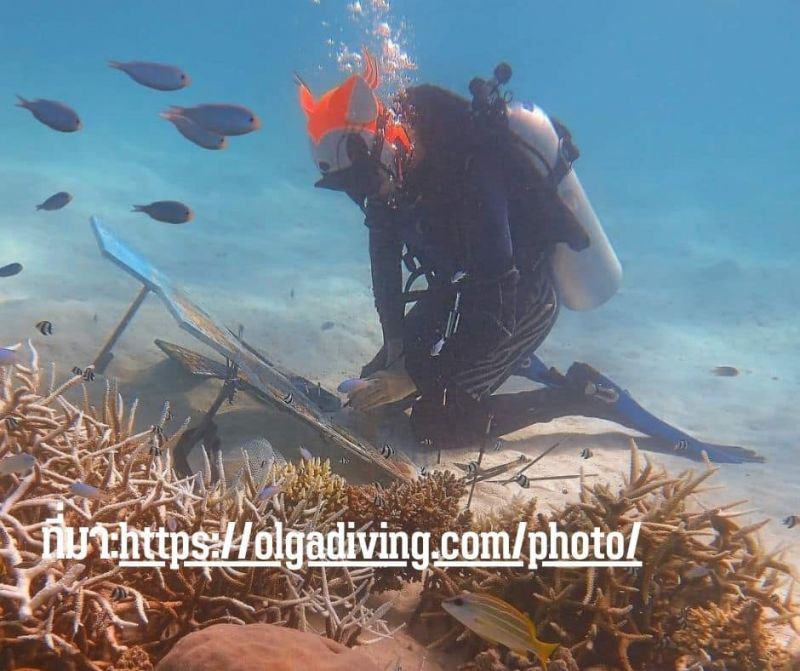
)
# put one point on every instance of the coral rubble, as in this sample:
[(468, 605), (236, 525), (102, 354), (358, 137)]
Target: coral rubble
[(707, 590)]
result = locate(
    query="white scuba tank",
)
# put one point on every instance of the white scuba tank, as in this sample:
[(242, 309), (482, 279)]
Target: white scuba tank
[(584, 279)]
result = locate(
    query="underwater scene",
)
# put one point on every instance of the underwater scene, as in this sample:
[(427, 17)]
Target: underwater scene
[(393, 335)]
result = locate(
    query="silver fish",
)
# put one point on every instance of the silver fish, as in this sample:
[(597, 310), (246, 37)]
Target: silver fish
[(55, 202), (268, 492), (697, 572), (222, 118), (202, 137), (167, 211), (52, 113), (157, 76), (172, 524), (9, 357), (79, 488), (16, 463)]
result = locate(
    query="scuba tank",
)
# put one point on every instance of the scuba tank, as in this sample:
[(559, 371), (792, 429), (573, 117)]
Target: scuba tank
[(584, 279)]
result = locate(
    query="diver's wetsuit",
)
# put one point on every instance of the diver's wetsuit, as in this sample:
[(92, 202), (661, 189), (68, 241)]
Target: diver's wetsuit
[(508, 302)]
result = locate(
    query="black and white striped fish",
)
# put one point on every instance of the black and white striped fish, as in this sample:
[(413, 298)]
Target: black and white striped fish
[(681, 446), (522, 480), (633, 571), (472, 468), (119, 593), (586, 453), (87, 374), (45, 327), (790, 521), (387, 451), (288, 398)]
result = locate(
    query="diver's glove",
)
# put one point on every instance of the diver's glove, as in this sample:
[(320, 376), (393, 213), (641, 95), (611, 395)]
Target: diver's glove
[(389, 385)]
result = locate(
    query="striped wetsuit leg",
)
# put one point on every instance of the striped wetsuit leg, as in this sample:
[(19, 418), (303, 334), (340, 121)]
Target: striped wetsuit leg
[(537, 309)]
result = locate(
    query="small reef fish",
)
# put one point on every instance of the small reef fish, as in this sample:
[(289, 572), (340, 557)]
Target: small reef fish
[(172, 525), (499, 622), (790, 521), (55, 202), (87, 374), (697, 572), (523, 480), (45, 327), (268, 492), (16, 463), (472, 468), (344, 460), (387, 451), (220, 118), (9, 357), (725, 371), (52, 113), (424, 472), (10, 270), (351, 385), (11, 422), (157, 76), (202, 137), (288, 398), (167, 211), (586, 453), (681, 446), (79, 488), (305, 454), (498, 444), (633, 571), (119, 593)]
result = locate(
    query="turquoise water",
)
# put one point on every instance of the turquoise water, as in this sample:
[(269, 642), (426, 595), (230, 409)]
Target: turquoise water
[(686, 115)]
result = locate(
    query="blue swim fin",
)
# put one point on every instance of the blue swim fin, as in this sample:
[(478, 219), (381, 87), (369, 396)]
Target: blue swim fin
[(619, 406)]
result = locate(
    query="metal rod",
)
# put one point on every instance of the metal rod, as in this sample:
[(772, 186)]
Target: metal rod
[(480, 458), (105, 356)]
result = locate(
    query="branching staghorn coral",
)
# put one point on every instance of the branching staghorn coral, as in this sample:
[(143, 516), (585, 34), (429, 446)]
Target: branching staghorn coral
[(707, 589), (90, 613), (430, 504)]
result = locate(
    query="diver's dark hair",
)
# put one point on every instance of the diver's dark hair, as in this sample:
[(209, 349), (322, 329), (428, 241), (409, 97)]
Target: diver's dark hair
[(440, 121), (437, 116)]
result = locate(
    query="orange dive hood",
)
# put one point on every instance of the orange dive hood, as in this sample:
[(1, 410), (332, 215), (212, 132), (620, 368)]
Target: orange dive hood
[(350, 108)]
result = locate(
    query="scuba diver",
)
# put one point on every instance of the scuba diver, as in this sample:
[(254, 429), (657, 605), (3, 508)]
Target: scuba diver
[(478, 198)]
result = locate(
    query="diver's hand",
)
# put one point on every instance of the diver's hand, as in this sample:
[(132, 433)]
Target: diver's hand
[(386, 386)]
